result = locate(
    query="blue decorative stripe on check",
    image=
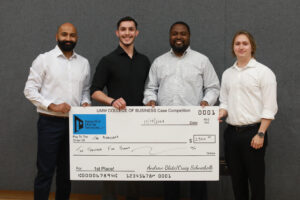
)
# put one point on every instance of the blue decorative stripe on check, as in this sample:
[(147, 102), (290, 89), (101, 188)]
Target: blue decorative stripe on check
[(89, 124)]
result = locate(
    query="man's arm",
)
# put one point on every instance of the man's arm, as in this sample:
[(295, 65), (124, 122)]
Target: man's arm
[(151, 103), (223, 100), (211, 85), (222, 114), (103, 98), (62, 107), (85, 100), (204, 103), (100, 80), (269, 99), (257, 141), (33, 85), (151, 86)]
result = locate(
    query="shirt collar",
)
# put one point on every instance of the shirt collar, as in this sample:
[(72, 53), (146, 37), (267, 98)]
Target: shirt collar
[(59, 53), (186, 52), (120, 51), (251, 64)]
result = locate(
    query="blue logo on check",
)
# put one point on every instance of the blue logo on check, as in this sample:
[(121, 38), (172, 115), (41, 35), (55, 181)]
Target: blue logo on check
[(89, 124)]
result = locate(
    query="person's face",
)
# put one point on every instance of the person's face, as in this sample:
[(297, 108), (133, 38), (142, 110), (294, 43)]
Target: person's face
[(179, 38), (127, 32), (242, 47), (66, 37)]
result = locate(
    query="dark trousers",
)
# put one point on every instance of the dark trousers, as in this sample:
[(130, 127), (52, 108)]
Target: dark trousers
[(132, 190), (245, 163), (172, 190), (53, 154)]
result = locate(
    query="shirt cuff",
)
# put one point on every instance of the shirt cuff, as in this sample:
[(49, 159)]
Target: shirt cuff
[(223, 106), (207, 100), (210, 100), (45, 104), (85, 101), (268, 114), (147, 99)]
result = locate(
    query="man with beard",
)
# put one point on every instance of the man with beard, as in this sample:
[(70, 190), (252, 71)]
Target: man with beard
[(182, 77), (58, 79), (123, 72)]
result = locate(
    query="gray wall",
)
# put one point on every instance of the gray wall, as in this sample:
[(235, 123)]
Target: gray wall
[(27, 28)]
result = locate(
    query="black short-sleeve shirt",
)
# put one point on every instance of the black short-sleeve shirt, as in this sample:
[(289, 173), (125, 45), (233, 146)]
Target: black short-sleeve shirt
[(124, 77)]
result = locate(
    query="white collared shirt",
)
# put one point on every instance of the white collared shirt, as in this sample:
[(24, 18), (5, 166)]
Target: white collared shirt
[(53, 78), (182, 81), (248, 94)]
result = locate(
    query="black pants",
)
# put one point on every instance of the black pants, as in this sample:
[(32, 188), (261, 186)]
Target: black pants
[(132, 190), (53, 153), (172, 190), (245, 163)]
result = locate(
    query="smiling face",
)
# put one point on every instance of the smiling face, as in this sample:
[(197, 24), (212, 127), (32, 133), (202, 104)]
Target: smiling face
[(242, 47), (66, 37), (179, 38), (126, 33)]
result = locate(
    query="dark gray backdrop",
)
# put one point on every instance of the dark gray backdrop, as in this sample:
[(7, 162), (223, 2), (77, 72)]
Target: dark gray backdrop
[(27, 28)]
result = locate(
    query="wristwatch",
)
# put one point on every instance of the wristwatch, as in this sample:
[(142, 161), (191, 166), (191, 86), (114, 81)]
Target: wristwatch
[(261, 134)]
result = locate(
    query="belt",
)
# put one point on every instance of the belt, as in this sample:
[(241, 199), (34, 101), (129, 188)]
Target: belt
[(245, 127), (46, 115)]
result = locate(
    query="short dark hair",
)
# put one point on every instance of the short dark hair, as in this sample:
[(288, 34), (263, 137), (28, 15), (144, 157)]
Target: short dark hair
[(127, 18), (249, 36), (182, 23)]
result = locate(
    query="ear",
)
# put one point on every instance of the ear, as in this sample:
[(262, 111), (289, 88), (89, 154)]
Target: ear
[(137, 33), (117, 33)]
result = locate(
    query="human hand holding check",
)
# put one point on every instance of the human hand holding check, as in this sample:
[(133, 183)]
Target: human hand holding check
[(151, 103), (119, 103), (63, 107)]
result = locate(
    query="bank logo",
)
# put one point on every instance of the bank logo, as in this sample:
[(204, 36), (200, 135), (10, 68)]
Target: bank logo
[(89, 124), (78, 124)]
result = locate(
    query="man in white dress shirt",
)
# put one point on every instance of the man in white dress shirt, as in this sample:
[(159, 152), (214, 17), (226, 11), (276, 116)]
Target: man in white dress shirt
[(248, 100), (58, 79), (182, 77)]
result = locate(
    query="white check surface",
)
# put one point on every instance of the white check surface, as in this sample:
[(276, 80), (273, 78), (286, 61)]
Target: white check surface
[(144, 143)]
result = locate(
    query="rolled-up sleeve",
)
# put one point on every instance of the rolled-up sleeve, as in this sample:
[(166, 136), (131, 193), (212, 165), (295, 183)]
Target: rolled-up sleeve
[(269, 95)]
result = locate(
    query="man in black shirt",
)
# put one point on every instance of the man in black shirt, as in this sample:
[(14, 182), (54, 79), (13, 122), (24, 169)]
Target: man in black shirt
[(123, 72)]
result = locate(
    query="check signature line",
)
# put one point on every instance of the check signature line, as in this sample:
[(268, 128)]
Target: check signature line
[(183, 171)]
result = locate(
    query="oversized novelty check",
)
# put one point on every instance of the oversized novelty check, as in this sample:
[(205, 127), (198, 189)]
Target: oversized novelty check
[(144, 143)]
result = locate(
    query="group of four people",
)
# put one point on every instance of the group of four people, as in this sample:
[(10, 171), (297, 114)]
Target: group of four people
[(60, 79)]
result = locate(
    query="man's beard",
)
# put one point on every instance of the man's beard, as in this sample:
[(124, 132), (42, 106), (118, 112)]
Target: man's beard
[(66, 47), (179, 49)]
